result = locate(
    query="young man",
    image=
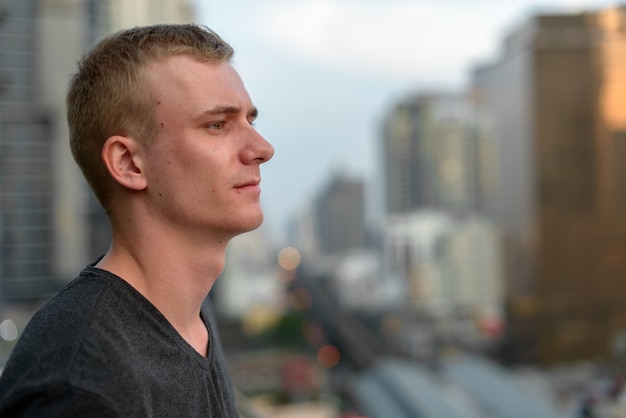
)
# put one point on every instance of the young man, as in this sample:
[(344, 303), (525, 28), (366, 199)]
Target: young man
[(162, 128)]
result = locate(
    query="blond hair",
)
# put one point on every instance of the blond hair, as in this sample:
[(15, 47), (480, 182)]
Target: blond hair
[(108, 95)]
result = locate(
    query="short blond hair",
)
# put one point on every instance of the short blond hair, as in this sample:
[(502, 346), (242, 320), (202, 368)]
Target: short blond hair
[(108, 95)]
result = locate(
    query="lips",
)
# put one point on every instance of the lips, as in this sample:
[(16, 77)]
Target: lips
[(248, 183)]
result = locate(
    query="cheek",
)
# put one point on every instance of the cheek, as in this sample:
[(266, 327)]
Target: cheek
[(195, 170)]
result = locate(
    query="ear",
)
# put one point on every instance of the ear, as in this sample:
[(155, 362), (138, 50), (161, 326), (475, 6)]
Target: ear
[(121, 157)]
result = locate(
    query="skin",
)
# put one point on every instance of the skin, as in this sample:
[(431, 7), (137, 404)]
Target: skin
[(183, 195)]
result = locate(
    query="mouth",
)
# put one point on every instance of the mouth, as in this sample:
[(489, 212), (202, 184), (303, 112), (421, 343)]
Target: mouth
[(249, 184)]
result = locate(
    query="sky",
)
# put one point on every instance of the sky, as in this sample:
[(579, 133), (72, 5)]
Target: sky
[(325, 73)]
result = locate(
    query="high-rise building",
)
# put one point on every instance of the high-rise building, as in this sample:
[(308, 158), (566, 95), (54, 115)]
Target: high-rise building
[(435, 156), (439, 174), (556, 102), (26, 192), (404, 181), (50, 224), (340, 216), (64, 29), (124, 13)]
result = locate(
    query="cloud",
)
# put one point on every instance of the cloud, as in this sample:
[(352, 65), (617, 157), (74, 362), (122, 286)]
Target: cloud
[(398, 39), (425, 40)]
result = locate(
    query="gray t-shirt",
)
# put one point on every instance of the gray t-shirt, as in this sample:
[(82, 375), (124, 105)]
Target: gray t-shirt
[(100, 349)]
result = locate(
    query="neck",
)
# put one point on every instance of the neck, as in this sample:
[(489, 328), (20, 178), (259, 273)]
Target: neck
[(175, 273)]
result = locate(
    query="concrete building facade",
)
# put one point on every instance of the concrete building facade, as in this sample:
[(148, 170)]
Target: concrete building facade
[(340, 216), (556, 100), (50, 224), (26, 189), (436, 155)]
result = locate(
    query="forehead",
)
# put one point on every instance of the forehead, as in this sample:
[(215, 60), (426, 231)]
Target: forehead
[(186, 84)]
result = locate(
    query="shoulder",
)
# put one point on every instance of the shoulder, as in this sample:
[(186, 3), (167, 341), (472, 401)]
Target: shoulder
[(62, 320), (66, 317), (71, 337)]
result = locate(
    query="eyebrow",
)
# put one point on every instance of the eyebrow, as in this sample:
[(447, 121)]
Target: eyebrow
[(220, 110)]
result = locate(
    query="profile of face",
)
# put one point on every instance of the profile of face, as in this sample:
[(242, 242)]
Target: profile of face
[(203, 168)]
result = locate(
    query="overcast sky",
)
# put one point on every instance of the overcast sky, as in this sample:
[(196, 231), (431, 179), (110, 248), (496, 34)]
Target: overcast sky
[(324, 73)]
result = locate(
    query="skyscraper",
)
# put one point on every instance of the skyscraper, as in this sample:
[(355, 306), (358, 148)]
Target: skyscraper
[(404, 183), (26, 250), (436, 156), (340, 216), (50, 224), (556, 100)]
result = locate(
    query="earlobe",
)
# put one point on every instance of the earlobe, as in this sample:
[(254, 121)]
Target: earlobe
[(120, 156)]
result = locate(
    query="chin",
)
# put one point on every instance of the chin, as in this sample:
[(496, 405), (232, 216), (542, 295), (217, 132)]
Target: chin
[(247, 224), (256, 223)]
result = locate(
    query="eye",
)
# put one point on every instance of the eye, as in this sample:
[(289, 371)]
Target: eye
[(216, 125)]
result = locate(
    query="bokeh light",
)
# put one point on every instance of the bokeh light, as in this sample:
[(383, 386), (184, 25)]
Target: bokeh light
[(259, 319), (289, 258), (8, 330), (328, 356)]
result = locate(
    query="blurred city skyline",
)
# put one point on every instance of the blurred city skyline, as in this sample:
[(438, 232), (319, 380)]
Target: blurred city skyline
[(324, 74), (505, 231)]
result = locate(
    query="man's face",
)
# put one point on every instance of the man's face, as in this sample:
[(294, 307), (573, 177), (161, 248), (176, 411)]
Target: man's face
[(203, 167)]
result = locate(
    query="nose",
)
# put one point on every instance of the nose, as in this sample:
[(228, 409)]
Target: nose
[(258, 149)]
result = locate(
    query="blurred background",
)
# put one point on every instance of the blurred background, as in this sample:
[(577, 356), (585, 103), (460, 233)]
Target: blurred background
[(445, 229)]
